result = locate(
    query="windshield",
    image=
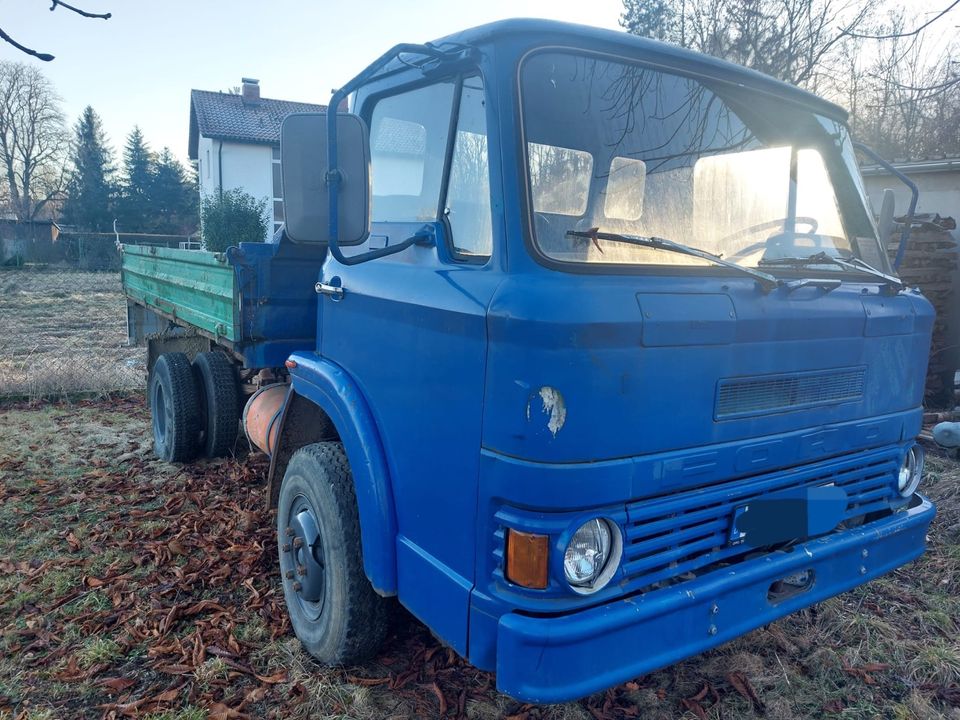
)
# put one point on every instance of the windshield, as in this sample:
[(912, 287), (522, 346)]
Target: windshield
[(635, 151)]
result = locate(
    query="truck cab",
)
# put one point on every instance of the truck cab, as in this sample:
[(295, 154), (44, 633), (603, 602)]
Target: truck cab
[(610, 364)]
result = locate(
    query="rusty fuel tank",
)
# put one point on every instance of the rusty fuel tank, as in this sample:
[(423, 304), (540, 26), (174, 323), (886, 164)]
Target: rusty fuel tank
[(261, 416)]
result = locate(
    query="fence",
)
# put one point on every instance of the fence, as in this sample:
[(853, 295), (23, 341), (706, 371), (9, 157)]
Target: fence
[(63, 317)]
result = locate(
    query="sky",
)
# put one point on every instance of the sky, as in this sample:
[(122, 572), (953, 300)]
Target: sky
[(138, 67)]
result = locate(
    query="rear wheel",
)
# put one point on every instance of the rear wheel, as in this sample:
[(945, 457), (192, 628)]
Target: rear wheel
[(220, 391), (333, 609), (175, 408)]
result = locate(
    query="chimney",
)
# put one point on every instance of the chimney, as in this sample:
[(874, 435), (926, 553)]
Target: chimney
[(250, 90)]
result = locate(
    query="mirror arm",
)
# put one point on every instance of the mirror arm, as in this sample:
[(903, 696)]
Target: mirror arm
[(914, 196), (421, 237)]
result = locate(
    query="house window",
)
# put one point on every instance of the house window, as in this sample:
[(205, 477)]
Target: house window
[(277, 191), (208, 164)]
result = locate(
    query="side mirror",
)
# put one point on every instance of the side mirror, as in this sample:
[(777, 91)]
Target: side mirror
[(303, 167), (886, 221), (911, 210)]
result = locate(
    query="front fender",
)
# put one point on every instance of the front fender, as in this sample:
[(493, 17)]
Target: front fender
[(334, 392)]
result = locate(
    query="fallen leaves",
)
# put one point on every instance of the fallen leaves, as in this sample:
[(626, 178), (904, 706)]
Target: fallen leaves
[(742, 685), (73, 541), (116, 684), (191, 562), (866, 671)]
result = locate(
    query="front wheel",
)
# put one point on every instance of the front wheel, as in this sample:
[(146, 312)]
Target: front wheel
[(333, 609)]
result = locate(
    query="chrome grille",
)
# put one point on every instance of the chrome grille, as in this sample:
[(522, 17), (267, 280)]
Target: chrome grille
[(777, 393), (672, 535)]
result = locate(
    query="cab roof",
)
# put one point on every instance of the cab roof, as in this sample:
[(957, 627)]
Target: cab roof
[(535, 32)]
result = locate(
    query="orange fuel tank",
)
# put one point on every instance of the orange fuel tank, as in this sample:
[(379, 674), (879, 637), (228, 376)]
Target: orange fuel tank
[(261, 416)]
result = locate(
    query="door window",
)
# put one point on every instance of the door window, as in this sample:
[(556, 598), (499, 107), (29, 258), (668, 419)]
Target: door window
[(468, 193), (408, 145)]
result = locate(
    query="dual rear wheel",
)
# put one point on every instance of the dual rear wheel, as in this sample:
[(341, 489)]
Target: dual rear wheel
[(195, 407)]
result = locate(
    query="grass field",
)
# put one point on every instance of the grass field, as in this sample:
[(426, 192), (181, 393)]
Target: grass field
[(132, 588), (63, 332)]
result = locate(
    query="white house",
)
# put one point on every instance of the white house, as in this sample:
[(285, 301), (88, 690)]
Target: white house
[(235, 142)]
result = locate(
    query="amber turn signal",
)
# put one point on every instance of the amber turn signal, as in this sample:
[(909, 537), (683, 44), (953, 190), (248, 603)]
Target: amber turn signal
[(527, 559)]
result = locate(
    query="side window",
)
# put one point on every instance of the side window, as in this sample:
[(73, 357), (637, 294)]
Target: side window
[(408, 145), (468, 192)]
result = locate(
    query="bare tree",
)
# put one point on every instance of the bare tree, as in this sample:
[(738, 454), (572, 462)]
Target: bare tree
[(798, 41), (33, 140), (54, 4), (901, 90)]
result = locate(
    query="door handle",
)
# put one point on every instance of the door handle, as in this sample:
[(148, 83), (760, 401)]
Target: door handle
[(333, 290)]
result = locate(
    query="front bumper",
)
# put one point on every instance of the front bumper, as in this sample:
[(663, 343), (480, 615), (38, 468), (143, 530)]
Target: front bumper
[(555, 659)]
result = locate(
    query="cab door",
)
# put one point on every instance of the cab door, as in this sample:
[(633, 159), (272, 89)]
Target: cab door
[(411, 330)]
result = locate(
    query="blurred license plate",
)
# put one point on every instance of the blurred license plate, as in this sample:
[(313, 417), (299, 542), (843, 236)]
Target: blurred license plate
[(794, 514)]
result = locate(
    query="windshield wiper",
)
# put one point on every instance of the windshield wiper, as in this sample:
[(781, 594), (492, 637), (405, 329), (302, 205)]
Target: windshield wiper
[(767, 282), (821, 258)]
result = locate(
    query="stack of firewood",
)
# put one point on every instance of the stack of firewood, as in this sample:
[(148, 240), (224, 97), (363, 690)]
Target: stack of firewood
[(929, 263)]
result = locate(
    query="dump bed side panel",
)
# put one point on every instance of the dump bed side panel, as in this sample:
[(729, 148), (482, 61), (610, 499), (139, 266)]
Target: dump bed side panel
[(196, 288)]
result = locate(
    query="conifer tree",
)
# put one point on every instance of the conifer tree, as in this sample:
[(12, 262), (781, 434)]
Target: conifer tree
[(134, 206), (90, 190), (173, 197)]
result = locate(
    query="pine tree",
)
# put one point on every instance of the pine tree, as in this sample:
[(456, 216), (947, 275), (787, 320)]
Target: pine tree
[(139, 170), (90, 189), (173, 197)]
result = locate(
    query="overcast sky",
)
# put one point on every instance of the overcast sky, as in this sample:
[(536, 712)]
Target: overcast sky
[(138, 67)]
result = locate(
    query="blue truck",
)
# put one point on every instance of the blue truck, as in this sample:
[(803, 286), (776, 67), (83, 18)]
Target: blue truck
[(582, 346)]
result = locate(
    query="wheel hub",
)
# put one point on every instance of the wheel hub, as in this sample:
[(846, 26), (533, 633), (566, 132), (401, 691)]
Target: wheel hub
[(306, 554), (159, 413)]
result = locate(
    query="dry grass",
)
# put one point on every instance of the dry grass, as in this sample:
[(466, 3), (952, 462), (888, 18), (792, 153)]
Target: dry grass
[(64, 332), (82, 502)]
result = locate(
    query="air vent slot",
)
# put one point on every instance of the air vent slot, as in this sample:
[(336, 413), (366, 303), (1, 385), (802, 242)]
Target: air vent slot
[(740, 397)]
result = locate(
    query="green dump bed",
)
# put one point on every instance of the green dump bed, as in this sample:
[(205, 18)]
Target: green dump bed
[(257, 299), (195, 287)]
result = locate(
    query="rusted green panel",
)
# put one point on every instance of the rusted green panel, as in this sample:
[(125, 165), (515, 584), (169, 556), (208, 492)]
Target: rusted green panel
[(196, 287)]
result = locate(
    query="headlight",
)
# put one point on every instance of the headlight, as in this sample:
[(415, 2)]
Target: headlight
[(592, 555), (910, 472)]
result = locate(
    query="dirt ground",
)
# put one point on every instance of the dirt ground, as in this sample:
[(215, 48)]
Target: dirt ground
[(63, 331), (132, 588)]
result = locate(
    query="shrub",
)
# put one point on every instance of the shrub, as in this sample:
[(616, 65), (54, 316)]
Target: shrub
[(231, 218)]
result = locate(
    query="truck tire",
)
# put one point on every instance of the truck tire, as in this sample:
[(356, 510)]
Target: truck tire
[(220, 401), (333, 609), (174, 408)]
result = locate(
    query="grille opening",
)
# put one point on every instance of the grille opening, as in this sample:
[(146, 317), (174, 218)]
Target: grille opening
[(777, 393), (644, 548), (671, 537)]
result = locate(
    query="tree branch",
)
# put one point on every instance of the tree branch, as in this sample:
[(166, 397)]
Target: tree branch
[(915, 31), (46, 57), (78, 11), (922, 93)]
